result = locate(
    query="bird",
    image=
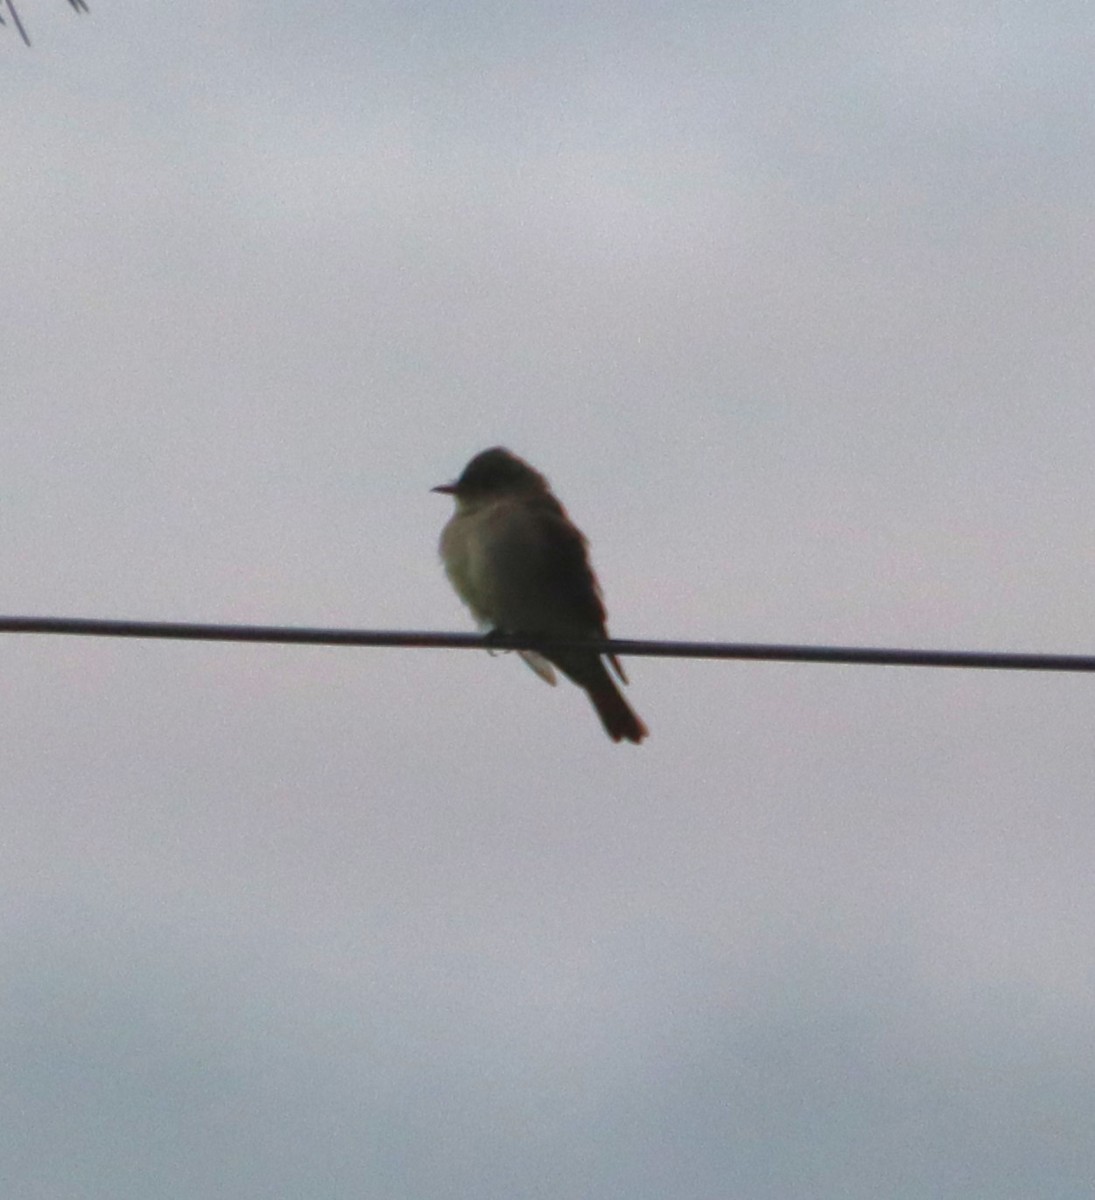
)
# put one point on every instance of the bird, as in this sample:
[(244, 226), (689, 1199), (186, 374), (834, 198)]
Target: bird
[(519, 563)]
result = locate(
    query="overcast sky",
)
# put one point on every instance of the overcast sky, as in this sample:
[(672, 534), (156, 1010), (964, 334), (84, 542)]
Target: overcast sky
[(793, 303)]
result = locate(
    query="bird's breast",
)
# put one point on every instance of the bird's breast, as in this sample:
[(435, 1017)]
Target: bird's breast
[(493, 555), (465, 552)]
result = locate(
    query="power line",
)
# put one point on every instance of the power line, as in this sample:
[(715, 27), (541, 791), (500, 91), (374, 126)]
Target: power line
[(628, 647), (76, 6)]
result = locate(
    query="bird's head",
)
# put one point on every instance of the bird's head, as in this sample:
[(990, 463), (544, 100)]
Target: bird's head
[(493, 473)]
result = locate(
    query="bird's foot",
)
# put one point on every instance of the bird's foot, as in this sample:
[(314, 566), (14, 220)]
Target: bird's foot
[(492, 638)]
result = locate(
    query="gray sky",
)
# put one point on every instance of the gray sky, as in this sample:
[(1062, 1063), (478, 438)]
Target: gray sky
[(793, 304)]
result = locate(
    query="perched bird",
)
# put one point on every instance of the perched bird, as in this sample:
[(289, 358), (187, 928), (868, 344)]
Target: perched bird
[(522, 567)]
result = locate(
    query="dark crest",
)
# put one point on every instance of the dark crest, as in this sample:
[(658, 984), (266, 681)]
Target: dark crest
[(497, 470)]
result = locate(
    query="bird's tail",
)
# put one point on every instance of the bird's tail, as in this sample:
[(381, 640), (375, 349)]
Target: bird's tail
[(617, 716), (588, 671)]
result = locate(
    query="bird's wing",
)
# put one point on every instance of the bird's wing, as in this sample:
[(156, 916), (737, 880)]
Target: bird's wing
[(566, 574)]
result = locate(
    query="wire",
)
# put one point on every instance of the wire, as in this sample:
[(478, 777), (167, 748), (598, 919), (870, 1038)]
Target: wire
[(16, 22), (295, 635), (78, 6)]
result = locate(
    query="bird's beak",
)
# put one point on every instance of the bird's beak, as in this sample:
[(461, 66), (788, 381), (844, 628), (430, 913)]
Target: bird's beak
[(446, 489)]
